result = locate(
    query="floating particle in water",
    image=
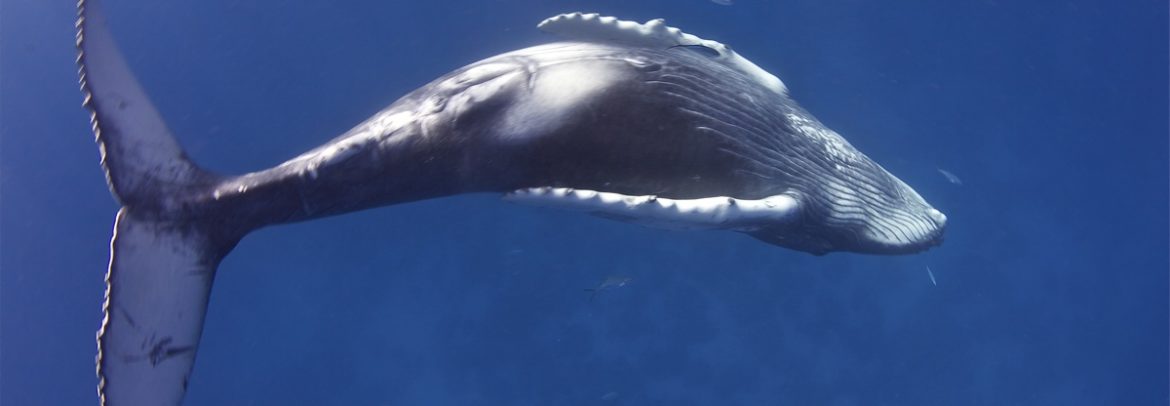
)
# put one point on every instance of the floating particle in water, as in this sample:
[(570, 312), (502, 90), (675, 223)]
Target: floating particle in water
[(609, 396), (612, 282), (722, 2), (950, 176), (931, 274)]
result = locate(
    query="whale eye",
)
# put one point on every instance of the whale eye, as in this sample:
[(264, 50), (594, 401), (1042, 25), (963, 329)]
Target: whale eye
[(698, 49)]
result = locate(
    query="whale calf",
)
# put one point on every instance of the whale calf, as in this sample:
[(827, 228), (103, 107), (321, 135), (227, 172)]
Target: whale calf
[(637, 122)]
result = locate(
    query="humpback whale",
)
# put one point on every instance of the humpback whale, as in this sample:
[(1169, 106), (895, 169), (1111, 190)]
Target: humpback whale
[(638, 122)]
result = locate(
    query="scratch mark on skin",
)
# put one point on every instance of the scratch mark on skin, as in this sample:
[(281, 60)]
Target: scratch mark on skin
[(162, 350), (129, 319)]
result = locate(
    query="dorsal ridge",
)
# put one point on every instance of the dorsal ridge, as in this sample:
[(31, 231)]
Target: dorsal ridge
[(651, 34)]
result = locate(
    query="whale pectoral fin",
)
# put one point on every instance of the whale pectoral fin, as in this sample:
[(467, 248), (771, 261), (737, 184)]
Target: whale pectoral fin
[(709, 213), (156, 296), (653, 34)]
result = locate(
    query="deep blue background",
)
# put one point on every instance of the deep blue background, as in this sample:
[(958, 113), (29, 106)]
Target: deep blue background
[(1052, 285)]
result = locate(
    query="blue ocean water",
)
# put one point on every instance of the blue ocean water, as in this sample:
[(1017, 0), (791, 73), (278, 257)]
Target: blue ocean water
[(1051, 287)]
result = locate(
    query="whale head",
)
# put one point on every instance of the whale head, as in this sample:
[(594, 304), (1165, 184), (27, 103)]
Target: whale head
[(848, 201)]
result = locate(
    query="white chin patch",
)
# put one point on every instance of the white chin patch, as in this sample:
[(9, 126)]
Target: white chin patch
[(709, 213)]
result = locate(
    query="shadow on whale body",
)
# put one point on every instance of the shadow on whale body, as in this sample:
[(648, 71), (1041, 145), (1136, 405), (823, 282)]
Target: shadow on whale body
[(638, 122)]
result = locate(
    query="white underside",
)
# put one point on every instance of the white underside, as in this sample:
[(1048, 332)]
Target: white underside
[(709, 213)]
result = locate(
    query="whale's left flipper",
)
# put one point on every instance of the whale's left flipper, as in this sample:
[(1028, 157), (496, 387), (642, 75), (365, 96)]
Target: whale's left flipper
[(164, 251)]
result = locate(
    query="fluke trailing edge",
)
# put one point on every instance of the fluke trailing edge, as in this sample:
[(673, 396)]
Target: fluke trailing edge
[(638, 122)]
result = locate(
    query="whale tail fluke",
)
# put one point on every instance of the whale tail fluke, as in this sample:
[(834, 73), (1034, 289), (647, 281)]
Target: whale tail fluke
[(141, 158), (157, 288), (166, 245)]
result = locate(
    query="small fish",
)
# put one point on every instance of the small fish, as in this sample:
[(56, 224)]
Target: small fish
[(931, 274), (611, 282), (722, 2), (950, 176)]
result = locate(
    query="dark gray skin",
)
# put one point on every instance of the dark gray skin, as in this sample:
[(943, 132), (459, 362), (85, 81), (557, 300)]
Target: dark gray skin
[(666, 122)]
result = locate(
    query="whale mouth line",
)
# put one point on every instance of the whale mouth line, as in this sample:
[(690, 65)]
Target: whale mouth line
[(707, 213), (905, 234)]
